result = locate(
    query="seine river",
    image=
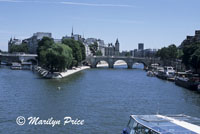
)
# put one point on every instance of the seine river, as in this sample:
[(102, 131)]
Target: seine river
[(103, 98)]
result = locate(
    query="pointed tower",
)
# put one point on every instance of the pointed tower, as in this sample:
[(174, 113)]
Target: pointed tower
[(72, 34), (117, 45)]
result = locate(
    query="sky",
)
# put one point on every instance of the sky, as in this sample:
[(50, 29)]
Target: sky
[(156, 23)]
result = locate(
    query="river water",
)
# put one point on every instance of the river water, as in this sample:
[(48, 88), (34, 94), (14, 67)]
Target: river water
[(103, 98)]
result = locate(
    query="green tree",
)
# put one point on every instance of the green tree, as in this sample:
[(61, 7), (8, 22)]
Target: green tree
[(76, 50), (98, 53), (168, 53), (195, 59), (188, 51), (43, 45), (127, 54), (19, 48), (172, 52), (191, 56), (93, 48), (82, 46), (180, 54), (58, 57)]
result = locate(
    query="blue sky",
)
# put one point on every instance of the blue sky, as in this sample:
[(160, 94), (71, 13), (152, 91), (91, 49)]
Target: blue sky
[(156, 23)]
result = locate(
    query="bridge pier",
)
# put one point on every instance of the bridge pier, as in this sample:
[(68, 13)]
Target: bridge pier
[(110, 65), (129, 64)]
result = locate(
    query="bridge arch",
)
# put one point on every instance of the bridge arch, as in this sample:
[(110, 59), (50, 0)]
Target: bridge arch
[(120, 62), (140, 62), (103, 63)]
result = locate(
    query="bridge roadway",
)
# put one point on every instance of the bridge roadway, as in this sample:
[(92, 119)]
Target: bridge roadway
[(94, 60), (19, 57)]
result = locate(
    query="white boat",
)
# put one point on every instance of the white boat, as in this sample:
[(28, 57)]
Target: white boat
[(168, 73), (150, 73), (162, 124), (16, 66)]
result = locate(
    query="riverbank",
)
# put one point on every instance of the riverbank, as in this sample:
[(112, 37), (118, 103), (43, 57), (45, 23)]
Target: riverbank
[(57, 75), (72, 71)]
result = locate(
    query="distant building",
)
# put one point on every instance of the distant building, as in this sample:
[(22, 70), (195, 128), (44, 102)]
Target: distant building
[(125, 53), (101, 45), (12, 42), (32, 42), (112, 50), (149, 52), (191, 39), (140, 46), (57, 40), (87, 42), (141, 52)]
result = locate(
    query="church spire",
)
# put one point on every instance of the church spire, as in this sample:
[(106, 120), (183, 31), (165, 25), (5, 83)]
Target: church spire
[(72, 32), (117, 41)]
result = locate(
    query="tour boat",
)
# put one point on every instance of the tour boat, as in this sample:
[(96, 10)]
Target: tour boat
[(16, 66), (162, 124)]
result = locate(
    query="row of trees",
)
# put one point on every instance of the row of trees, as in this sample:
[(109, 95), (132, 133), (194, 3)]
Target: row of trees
[(19, 48), (189, 54), (169, 53), (59, 56)]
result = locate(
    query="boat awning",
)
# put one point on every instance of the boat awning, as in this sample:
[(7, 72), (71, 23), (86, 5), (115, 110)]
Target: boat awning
[(170, 124)]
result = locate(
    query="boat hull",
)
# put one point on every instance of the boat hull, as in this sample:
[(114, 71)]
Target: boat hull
[(186, 84)]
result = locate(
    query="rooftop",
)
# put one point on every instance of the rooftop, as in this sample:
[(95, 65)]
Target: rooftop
[(170, 124)]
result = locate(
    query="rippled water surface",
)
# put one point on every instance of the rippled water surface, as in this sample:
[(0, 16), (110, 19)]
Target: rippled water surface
[(103, 98)]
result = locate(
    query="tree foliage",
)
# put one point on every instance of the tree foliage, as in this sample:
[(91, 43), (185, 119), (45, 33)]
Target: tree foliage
[(58, 57), (82, 46), (54, 56), (191, 55), (93, 48), (78, 50), (168, 53), (43, 45), (98, 53), (19, 48)]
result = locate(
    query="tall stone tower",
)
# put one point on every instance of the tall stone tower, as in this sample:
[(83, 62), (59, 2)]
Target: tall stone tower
[(117, 48)]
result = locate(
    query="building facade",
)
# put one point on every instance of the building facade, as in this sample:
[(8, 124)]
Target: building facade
[(112, 50), (191, 39), (140, 46), (32, 42), (12, 42)]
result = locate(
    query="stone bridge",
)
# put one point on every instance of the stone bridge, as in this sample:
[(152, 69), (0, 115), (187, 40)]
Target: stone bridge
[(94, 60), (9, 58)]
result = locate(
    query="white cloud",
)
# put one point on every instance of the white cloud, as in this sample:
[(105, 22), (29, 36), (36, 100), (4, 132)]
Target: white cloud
[(11, 1), (70, 3), (93, 4)]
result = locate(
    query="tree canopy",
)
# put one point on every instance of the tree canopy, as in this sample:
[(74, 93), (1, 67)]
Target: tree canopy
[(78, 50), (93, 48), (54, 56), (58, 57), (191, 55), (43, 45), (19, 48), (168, 53)]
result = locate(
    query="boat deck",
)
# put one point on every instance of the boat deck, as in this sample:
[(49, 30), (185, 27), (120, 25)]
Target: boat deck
[(172, 124)]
